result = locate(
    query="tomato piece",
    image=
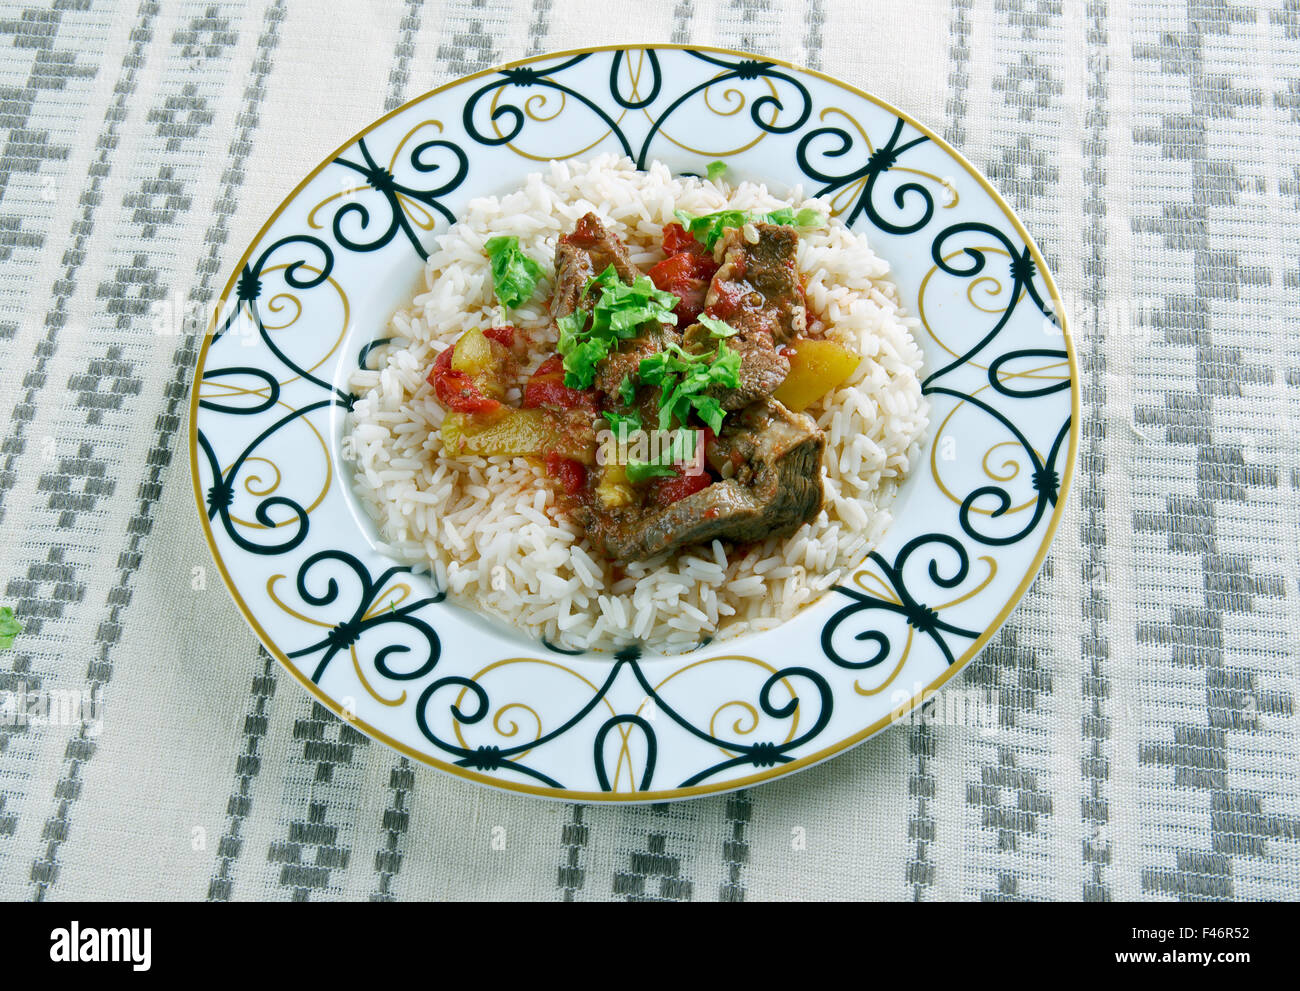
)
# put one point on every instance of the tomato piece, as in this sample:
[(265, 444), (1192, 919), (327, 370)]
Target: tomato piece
[(456, 390), (676, 240), (547, 388), (675, 268), (572, 475), (667, 491), (505, 336), (584, 233), (686, 276), (728, 301)]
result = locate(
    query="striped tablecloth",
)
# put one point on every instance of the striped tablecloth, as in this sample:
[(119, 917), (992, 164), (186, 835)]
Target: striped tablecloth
[(1147, 743)]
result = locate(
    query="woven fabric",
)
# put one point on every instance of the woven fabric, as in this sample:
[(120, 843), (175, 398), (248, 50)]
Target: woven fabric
[(1145, 740)]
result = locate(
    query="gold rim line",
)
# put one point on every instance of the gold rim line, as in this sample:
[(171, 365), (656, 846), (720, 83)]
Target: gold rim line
[(896, 714)]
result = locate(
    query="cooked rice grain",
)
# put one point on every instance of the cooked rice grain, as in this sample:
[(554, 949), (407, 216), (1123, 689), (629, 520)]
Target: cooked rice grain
[(489, 529)]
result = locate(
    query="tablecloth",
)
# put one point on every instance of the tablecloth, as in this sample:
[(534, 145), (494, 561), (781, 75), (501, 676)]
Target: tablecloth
[(1146, 743)]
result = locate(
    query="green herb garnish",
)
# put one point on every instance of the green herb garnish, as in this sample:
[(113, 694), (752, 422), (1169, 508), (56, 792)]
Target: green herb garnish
[(627, 390), (9, 627), (623, 423), (715, 327), (683, 378), (642, 471), (586, 339), (680, 451), (715, 170), (514, 274), (708, 227), (807, 217)]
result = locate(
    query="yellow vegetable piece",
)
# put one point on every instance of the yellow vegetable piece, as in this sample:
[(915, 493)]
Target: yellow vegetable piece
[(526, 433), (816, 368), (483, 360), (613, 488), (472, 353)]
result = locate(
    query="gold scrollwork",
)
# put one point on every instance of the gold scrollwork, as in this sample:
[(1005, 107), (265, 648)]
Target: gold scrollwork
[(844, 199), (746, 706), (737, 100), (254, 486), (497, 721), (876, 586), (1010, 468), (535, 109)]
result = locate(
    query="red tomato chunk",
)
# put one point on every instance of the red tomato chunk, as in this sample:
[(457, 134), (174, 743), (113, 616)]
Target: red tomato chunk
[(505, 336), (668, 490), (456, 390), (686, 273), (572, 475), (547, 388)]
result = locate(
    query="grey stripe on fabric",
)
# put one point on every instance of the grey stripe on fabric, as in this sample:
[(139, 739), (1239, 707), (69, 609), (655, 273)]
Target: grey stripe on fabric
[(240, 804), (249, 762), (1095, 645), (15, 443), (683, 12), (207, 36), (470, 39), (396, 822), (24, 591), (400, 74), (540, 27), (922, 790), (572, 873), (959, 74), (739, 810), (29, 148), (815, 15), (314, 845), (1198, 635)]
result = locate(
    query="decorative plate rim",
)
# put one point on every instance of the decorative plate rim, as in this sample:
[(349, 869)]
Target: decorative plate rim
[(700, 790)]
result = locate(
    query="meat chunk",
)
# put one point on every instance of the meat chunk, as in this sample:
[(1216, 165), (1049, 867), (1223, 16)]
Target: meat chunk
[(581, 256), (757, 292), (626, 361), (775, 487)]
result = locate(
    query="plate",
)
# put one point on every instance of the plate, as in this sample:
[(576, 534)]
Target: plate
[(383, 648)]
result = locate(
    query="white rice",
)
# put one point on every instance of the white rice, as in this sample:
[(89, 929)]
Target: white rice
[(489, 528)]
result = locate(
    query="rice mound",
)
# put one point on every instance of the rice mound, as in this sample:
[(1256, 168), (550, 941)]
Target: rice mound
[(489, 529)]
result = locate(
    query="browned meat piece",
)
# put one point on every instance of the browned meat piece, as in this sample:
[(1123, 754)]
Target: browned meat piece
[(627, 359), (580, 256), (762, 367), (775, 487), (585, 253), (756, 291)]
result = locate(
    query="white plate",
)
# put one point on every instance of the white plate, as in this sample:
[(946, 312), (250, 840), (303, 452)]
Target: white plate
[(476, 699)]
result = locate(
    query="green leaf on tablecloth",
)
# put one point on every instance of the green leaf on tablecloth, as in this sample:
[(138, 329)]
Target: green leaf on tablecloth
[(9, 627)]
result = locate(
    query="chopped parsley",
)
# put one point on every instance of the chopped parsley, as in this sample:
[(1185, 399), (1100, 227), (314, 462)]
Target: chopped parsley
[(683, 377), (9, 627), (623, 423), (715, 170), (680, 451), (587, 338), (807, 217), (707, 228), (642, 471), (715, 327), (627, 390), (514, 274)]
